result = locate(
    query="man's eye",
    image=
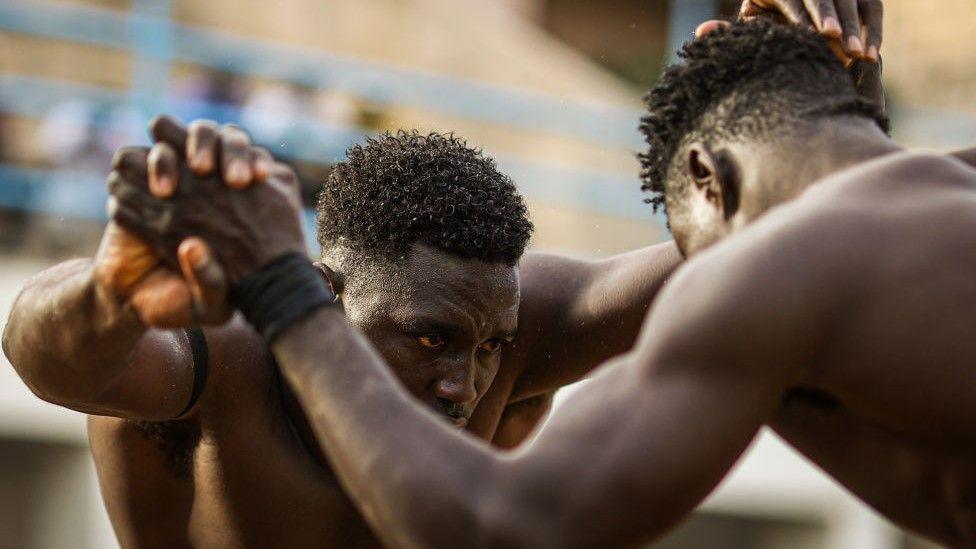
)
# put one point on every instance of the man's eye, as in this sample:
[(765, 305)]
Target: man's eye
[(431, 341), (491, 346)]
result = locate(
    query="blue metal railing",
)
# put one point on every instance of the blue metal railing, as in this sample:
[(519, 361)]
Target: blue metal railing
[(604, 192), (606, 124)]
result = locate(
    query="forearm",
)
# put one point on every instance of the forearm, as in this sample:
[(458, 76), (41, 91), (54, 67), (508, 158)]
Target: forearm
[(415, 479), (618, 466), (66, 337)]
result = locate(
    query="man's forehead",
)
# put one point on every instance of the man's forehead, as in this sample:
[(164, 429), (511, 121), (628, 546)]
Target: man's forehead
[(426, 266), (432, 282)]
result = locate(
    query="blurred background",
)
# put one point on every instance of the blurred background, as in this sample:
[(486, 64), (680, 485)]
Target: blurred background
[(550, 88)]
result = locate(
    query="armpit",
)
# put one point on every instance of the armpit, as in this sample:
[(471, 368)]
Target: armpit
[(177, 440)]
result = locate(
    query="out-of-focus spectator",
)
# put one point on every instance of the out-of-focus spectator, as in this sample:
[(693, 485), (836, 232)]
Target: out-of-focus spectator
[(83, 136), (211, 95), (67, 135), (271, 112), (77, 139)]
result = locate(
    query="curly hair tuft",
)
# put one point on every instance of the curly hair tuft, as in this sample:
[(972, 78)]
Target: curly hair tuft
[(405, 187)]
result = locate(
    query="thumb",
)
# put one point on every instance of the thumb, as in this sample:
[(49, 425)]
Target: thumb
[(206, 280)]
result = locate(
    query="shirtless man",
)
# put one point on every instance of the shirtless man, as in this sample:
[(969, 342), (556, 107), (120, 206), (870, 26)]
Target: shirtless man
[(195, 439), (829, 295), (199, 479)]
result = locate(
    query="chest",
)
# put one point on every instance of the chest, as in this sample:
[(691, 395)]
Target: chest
[(269, 496), (260, 480)]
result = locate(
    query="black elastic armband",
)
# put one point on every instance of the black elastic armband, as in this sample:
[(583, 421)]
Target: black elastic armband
[(201, 365), (277, 295)]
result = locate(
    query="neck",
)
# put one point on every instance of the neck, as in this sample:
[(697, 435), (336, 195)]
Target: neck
[(794, 163)]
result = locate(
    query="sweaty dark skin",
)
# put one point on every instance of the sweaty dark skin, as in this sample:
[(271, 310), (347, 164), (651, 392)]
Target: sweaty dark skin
[(831, 300), (848, 328), (242, 467), (484, 346), (848, 332)]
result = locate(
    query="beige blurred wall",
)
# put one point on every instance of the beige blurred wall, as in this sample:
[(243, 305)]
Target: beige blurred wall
[(930, 53), (470, 39)]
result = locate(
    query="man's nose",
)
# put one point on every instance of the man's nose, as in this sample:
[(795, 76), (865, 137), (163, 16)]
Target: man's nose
[(457, 384)]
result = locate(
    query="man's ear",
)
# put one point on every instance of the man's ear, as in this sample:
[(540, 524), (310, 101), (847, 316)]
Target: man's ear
[(332, 278), (714, 176)]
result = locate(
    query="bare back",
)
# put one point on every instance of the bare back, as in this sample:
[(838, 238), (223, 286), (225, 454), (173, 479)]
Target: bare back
[(902, 334), (898, 354)]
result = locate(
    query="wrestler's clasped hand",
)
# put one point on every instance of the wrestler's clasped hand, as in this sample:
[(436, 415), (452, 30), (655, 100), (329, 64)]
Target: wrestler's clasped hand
[(226, 234)]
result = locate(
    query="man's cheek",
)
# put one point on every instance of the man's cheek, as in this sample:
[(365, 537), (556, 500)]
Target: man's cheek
[(485, 377)]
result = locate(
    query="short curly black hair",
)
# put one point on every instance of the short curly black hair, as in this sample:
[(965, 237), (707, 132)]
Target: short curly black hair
[(404, 187), (755, 77)]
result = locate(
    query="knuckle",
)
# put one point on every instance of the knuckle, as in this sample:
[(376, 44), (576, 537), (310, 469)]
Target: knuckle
[(234, 135), (111, 206), (167, 121), (284, 173), (127, 155), (112, 184), (154, 155), (166, 153), (157, 120), (117, 158), (202, 128), (202, 124)]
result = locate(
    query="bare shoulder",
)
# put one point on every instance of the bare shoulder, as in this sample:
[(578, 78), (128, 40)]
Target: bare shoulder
[(773, 282), (887, 204), (558, 287), (575, 313), (907, 170), (787, 277), (520, 419), (537, 270), (810, 255), (548, 286)]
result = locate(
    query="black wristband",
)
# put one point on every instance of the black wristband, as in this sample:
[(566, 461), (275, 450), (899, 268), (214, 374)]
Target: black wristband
[(277, 295)]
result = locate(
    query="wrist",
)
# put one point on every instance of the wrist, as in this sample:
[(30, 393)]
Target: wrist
[(281, 293)]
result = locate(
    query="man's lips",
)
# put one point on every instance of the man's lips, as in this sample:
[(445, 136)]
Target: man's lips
[(459, 422)]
